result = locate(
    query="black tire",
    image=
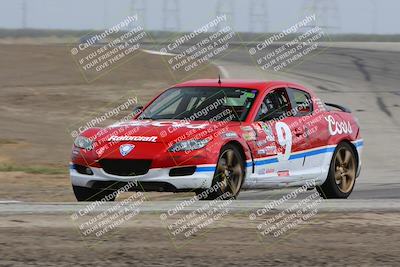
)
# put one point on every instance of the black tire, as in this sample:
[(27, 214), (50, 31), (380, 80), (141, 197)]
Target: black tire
[(334, 187), (233, 183), (92, 194)]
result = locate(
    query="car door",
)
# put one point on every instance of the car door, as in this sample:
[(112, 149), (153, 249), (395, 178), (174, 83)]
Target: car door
[(307, 160), (274, 139), (279, 118), (301, 161), (263, 146)]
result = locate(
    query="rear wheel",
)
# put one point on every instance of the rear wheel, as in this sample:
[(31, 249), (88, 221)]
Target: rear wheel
[(342, 174), (92, 194), (228, 176)]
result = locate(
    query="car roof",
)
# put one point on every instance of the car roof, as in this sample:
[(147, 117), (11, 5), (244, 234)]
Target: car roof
[(240, 83)]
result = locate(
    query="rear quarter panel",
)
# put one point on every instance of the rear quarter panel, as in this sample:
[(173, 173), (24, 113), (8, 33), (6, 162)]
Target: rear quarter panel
[(337, 127)]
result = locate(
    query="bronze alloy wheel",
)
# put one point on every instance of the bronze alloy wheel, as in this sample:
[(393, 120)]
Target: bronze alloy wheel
[(342, 173), (230, 171), (345, 170)]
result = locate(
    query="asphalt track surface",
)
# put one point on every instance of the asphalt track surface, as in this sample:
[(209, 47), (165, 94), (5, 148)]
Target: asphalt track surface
[(242, 206)]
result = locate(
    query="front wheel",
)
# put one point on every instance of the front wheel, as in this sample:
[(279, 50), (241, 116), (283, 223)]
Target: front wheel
[(228, 177), (342, 174), (92, 194)]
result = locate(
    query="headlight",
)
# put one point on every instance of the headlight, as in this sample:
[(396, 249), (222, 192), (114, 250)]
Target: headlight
[(188, 145), (83, 142)]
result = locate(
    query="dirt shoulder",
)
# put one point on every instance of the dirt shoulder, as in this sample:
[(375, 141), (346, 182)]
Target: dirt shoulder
[(366, 239)]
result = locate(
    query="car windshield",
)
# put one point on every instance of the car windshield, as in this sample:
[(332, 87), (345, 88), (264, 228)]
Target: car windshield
[(201, 103)]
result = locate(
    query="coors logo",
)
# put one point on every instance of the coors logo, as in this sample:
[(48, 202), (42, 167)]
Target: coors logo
[(338, 127)]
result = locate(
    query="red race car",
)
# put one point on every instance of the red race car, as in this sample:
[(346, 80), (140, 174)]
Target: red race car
[(220, 137)]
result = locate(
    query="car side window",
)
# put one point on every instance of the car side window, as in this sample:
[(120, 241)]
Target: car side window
[(276, 105), (301, 102)]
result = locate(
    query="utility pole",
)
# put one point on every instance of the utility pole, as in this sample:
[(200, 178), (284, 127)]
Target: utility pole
[(258, 16), (24, 14), (326, 11), (105, 15), (226, 7), (374, 18), (138, 7), (171, 18)]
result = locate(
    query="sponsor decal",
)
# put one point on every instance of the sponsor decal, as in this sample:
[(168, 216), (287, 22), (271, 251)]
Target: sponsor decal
[(126, 149), (338, 127), (248, 133), (270, 150), (261, 143), (268, 171), (265, 171), (261, 152), (249, 136), (268, 131), (229, 135), (283, 173), (136, 138), (247, 128)]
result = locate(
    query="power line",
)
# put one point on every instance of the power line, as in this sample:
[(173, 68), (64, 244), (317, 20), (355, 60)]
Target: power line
[(171, 17), (326, 11), (105, 14), (374, 14), (225, 7), (258, 16), (138, 7), (24, 9)]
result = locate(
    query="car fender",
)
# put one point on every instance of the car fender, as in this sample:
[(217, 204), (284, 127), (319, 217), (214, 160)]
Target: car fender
[(348, 134)]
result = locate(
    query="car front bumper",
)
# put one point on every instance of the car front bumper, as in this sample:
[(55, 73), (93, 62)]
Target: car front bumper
[(156, 179)]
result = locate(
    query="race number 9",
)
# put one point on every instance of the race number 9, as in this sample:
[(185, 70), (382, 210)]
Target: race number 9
[(284, 139)]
